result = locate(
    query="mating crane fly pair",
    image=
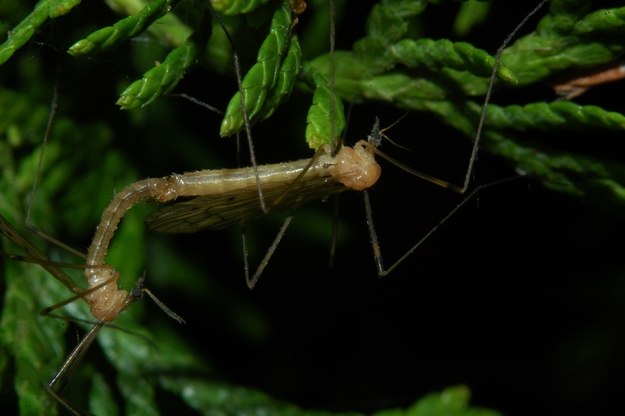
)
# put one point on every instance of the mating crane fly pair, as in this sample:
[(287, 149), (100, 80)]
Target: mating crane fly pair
[(250, 192)]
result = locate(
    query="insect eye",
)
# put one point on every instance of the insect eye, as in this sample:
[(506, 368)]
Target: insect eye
[(374, 139), (137, 293)]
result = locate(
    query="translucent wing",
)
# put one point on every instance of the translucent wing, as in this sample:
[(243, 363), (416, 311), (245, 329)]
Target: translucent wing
[(218, 211)]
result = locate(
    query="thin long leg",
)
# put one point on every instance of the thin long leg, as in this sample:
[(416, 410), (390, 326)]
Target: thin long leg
[(54, 268), (65, 373), (461, 190), (31, 227), (374, 239), (261, 198), (337, 145), (248, 126), (252, 282), (71, 363)]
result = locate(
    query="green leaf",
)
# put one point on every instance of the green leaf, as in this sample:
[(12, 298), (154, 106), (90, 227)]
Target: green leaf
[(263, 76), (472, 13), (318, 119), (110, 37), (451, 401), (289, 70), (165, 76), (22, 33)]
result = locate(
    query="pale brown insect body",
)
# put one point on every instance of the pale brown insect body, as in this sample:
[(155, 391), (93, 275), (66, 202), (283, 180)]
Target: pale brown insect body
[(230, 196), (225, 197)]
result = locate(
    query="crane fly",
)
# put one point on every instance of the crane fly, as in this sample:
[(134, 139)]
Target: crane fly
[(227, 197), (231, 197)]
